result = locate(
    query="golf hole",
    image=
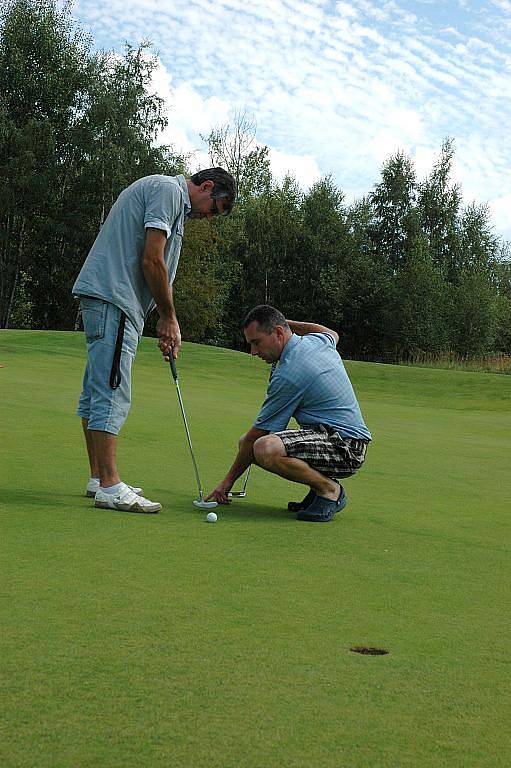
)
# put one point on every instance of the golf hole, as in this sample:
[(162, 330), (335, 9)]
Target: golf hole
[(368, 651)]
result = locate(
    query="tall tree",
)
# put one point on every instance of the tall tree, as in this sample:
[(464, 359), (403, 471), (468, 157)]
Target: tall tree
[(358, 289), (234, 147), (324, 250), (395, 224), (44, 71), (258, 253), (439, 204), (502, 276), (75, 128)]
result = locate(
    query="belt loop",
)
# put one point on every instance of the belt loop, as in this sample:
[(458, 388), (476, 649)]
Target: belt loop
[(115, 372)]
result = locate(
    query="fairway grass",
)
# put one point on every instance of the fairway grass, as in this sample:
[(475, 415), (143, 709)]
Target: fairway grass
[(133, 641)]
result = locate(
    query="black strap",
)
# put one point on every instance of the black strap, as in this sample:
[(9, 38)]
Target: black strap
[(115, 372)]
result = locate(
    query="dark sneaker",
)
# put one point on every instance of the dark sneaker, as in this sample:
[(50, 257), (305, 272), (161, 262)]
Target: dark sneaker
[(323, 510), (296, 506)]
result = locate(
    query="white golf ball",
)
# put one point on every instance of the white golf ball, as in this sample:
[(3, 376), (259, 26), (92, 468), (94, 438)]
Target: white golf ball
[(212, 517)]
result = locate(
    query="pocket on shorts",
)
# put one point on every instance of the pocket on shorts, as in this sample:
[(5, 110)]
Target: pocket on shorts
[(93, 317)]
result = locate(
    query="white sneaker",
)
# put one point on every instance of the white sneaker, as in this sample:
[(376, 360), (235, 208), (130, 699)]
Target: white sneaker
[(93, 487), (126, 500)]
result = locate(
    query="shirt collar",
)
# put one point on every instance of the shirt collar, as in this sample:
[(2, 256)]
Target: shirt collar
[(291, 344), (186, 197)]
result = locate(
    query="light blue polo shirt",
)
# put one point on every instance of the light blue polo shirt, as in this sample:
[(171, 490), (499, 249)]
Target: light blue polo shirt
[(113, 269), (310, 383)]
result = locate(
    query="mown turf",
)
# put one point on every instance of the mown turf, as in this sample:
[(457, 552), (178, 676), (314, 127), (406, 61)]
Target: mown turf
[(134, 641)]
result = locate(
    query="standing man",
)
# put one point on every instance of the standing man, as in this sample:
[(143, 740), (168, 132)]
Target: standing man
[(310, 384), (129, 271)]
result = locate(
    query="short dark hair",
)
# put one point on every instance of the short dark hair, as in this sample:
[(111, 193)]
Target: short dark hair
[(225, 186), (267, 317)]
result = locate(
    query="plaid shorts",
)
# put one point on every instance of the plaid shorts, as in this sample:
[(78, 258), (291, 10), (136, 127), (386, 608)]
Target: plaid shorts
[(323, 448)]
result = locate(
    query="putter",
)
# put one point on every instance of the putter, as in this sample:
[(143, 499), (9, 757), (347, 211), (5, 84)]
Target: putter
[(200, 501), (241, 494)]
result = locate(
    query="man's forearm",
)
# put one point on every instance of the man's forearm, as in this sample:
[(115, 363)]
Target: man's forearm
[(243, 460), (302, 329), (157, 278), (245, 455)]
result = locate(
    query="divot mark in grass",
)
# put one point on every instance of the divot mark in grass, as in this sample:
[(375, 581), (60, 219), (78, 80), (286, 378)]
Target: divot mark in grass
[(368, 651)]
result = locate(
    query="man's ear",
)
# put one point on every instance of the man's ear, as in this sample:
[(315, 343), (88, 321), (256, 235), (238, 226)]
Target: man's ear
[(207, 185)]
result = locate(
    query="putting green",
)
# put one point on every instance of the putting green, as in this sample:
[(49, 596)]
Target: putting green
[(161, 641)]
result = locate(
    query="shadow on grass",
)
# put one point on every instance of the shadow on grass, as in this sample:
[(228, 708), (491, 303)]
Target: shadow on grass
[(242, 511), (236, 511), (35, 497)]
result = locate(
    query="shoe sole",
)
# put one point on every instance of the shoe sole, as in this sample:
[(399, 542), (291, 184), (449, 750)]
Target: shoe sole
[(153, 510)]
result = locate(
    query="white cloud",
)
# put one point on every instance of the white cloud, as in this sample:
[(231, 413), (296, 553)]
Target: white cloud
[(190, 115), (333, 86), (346, 10), (424, 157), (303, 167), (501, 213)]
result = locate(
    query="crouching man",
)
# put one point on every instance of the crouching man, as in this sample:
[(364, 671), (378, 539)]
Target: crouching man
[(308, 382)]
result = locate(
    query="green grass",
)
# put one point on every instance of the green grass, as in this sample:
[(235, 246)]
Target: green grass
[(162, 641)]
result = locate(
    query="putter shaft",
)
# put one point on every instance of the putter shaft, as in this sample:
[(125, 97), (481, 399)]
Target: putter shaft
[(181, 405)]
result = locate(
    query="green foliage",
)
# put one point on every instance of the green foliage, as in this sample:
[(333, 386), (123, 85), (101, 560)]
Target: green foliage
[(419, 302), (439, 205), (394, 222), (474, 314), (43, 74), (197, 289), (21, 314), (502, 275), (75, 129), (407, 271)]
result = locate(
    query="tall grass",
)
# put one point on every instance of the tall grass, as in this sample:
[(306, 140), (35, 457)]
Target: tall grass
[(496, 363)]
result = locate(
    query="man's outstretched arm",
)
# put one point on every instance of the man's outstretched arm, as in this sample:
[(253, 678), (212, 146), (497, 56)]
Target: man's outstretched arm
[(244, 458), (302, 329)]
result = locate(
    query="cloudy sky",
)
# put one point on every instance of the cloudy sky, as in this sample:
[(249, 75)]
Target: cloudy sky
[(335, 87)]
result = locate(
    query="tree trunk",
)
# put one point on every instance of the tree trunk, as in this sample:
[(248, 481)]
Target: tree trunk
[(11, 299), (4, 281), (8, 309)]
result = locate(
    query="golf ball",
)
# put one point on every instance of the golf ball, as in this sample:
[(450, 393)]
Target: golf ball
[(212, 517)]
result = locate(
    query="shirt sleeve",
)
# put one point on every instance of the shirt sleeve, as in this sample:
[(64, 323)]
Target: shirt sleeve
[(325, 336), (163, 204), (282, 399)]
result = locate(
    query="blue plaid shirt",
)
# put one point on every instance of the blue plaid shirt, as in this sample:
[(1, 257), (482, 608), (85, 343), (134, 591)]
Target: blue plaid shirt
[(310, 383)]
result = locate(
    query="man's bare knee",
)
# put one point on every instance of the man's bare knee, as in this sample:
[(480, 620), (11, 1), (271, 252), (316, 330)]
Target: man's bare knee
[(267, 449)]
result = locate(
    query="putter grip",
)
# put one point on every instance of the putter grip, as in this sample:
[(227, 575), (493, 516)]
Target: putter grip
[(173, 365)]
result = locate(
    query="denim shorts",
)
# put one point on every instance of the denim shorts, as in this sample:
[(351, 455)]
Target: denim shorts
[(105, 408)]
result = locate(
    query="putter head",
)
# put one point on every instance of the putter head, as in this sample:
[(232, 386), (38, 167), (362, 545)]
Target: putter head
[(204, 504), (237, 494)]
